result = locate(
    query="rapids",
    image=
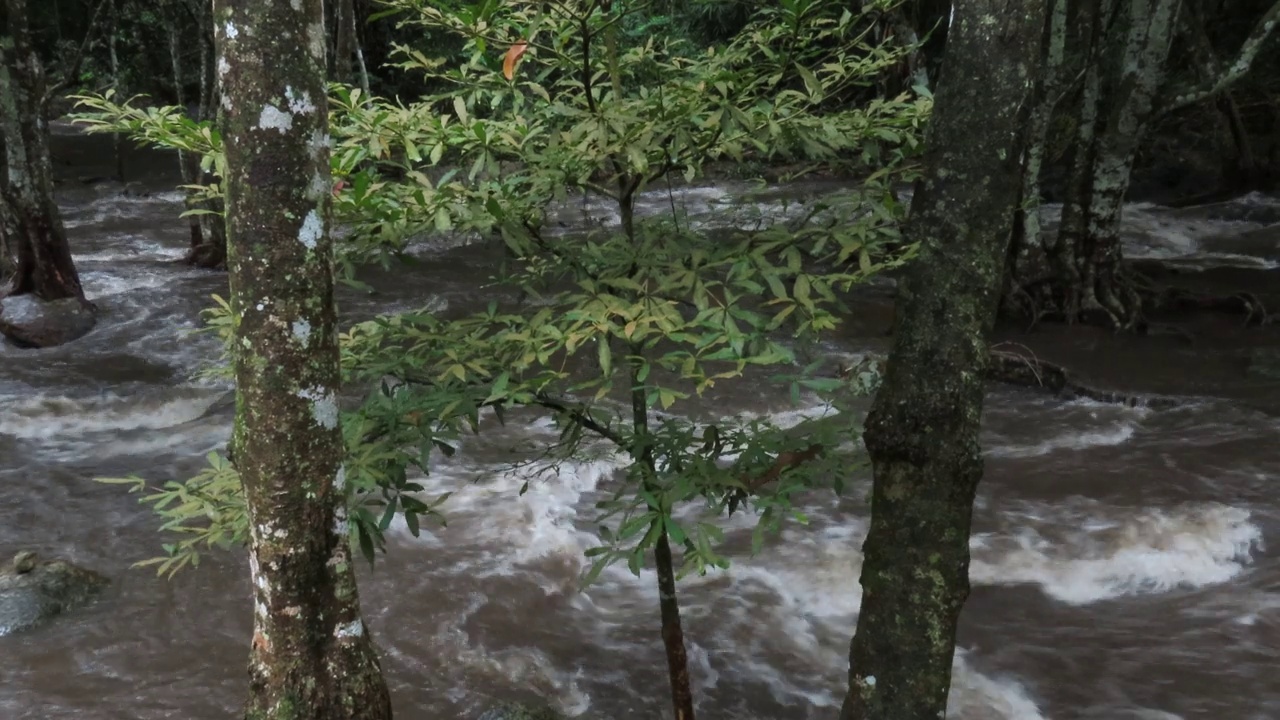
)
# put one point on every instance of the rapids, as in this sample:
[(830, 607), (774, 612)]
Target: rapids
[(1120, 570)]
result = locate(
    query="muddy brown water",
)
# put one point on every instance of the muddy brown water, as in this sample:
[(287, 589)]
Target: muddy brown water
[(1121, 564)]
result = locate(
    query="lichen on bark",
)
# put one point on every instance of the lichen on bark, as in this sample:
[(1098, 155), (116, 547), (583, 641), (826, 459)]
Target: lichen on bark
[(922, 432), (307, 660)]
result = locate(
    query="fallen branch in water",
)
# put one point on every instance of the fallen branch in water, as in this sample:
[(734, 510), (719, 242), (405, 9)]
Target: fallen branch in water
[(1024, 369)]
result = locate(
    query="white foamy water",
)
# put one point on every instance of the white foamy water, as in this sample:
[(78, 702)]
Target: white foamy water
[(1148, 551), (1058, 426), (1117, 434), (800, 597), (1155, 232), (54, 417), (106, 283), (115, 205)]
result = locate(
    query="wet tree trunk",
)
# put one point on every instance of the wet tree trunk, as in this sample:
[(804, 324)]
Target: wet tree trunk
[(1031, 252), (117, 148), (1128, 50), (312, 656), (34, 238), (188, 164), (209, 238), (922, 432), (668, 599), (1125, 46), (344, 40)]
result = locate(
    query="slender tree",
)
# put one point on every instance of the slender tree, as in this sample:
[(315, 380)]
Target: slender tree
[(922, 432), (312, 656), (209, 233), (33, 237)]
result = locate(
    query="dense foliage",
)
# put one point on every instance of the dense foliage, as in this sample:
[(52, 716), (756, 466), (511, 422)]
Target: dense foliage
[(616, 332)]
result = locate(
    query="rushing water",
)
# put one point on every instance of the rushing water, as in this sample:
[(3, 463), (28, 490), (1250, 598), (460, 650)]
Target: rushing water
[(1119, 571)]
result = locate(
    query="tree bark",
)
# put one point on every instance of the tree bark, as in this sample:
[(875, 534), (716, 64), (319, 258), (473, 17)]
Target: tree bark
[(117, 147), (209, 239), (922, 432), (344, 41), (188, 164), (668, 599), (1180, 97), (33, 235), (1125, 45), (312, 656)]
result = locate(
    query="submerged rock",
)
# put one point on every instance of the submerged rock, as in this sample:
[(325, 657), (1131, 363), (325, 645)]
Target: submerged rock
[(31, 322), (1264, 364), (33, 590), (520, 711)]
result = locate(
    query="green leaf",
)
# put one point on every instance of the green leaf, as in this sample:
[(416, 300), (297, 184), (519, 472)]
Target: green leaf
[(810, 82), (604, 354)]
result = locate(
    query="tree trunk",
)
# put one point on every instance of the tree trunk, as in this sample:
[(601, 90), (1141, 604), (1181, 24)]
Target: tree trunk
[(344, 41), (117, 147), (208, 231), (33, 235), (1125, 45), (312, 657), (188, 165), (1132, 56), (1031, 250), (668, 600), (922, 432)]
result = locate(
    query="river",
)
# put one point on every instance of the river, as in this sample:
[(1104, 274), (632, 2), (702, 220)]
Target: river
[(1120, 566)]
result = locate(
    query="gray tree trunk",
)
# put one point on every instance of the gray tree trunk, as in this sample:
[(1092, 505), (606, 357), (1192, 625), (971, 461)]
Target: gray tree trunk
[(33, 237), (1124, 46), (344, 40), (312, 656), (922, 432), (1128, 51)]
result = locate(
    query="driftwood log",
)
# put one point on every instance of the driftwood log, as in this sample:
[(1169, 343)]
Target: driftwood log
[(1024, 369)]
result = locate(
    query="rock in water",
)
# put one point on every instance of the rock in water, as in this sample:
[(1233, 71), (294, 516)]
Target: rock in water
[(33, 590), (520, 711), (31, 322), (1264, 364)]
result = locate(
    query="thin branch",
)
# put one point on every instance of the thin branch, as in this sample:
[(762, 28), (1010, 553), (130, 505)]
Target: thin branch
[(785, 461), (579, 413), (1249, 50)]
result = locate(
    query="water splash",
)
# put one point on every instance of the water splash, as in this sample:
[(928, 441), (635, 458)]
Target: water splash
[(1150, 551)]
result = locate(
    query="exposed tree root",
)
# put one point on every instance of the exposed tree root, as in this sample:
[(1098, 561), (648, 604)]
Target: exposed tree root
[(1246, 304), (1024, 369), (1120, 300)]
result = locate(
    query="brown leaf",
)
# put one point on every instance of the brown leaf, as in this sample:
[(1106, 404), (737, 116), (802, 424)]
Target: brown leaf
[(511, 58)]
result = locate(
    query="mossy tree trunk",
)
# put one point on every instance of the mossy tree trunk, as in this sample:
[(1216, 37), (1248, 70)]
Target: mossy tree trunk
[(34, 239), (312, 656), (922, 432)]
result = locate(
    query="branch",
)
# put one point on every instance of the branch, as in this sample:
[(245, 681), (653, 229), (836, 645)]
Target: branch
[(74, 70), (785, 461), (1248, 52), (578, 413), (1027, 370)]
